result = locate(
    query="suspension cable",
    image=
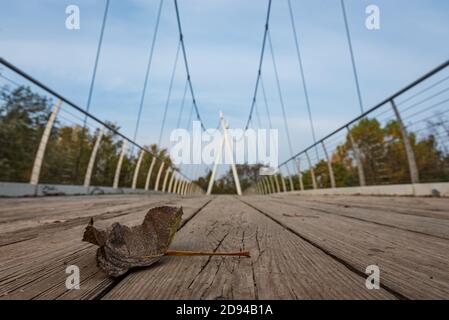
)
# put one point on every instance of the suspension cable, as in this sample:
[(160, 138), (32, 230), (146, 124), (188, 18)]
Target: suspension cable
[(189, 120), (170, 88), (301, 69), (351, 51), (181, 37), (181, 111), (267, 109), (100, 44), (259, 72), (281, 99), (259, 123), (91, 87), (147, 73)]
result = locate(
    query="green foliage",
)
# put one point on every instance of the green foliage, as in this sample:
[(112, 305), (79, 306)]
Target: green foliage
[(383, 159), (23, 116)]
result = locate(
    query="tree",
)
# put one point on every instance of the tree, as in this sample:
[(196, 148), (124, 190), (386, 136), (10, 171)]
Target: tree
[(23, 116)]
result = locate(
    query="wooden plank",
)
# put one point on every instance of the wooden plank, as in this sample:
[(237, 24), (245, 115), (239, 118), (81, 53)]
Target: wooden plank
[(14, 213), (419, 206), (412, 265), (39, 269), (383, 216), (282, 265), (42, 222)]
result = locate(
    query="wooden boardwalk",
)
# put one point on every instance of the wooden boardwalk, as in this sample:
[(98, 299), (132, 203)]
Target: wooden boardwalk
[(302, 247)]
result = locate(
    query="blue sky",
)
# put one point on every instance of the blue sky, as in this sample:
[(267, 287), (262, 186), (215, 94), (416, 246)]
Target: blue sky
[(223, 40)]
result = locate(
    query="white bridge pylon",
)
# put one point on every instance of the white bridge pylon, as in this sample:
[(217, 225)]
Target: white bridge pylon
[(224, 142)]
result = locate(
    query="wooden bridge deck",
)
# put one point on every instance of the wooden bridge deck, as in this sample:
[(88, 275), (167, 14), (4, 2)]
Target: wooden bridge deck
[(314, 247)]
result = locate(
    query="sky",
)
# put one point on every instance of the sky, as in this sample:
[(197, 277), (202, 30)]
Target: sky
[(223, 40)]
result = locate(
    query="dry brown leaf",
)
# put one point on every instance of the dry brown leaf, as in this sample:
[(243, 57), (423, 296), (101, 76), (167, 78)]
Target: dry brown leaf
[(122, 248)]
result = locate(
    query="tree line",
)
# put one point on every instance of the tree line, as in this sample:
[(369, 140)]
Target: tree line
[(23, 117)]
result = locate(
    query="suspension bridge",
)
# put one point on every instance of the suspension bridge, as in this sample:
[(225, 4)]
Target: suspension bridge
[(372, 192)]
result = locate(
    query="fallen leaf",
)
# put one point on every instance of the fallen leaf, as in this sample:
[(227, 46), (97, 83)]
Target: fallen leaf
[(122, 248)]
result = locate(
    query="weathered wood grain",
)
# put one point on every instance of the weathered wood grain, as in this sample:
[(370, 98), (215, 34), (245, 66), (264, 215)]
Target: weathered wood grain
[(413, 265), (302, 247), (382, 215), (282, 265), (38, 267)]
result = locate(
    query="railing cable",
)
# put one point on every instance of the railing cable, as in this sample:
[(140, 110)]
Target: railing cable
[(351, 51), (147, 73), (189, 79), (301, 69), (259, 72), (281, 99), (170, 88)]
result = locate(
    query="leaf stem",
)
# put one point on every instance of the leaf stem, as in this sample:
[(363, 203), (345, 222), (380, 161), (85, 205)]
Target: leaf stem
[(200, 253)]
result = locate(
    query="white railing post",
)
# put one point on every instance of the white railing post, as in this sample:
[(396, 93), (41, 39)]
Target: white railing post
[(267, 185), (175, 187), (150, 171), (278, 188), (284, 187), (298, 167), (170, 184), (178, 189), (290, 180), (358, 158), (329, 166), (413, 168), (158, 177), (39, 158), (164, 184), (93, 156), (119, 165), (137, 169), (312, 172)]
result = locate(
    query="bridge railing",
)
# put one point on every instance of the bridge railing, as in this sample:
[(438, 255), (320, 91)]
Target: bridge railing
[(50, 145), (402, 140)]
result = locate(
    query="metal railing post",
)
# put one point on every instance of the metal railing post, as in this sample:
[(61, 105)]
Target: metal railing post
[(175, 186), (164, 184), (170, 184), (93, 156), (137, 169), (414, 174), (358, 159), (312, 172), (181, 190), (284, 187), (274, 183), (267, 185), (119, 165), (329, 166), (158, 177), (150, 171), (259, 188), (298, 167), (290, 180), (178, 189), (39, 158)]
